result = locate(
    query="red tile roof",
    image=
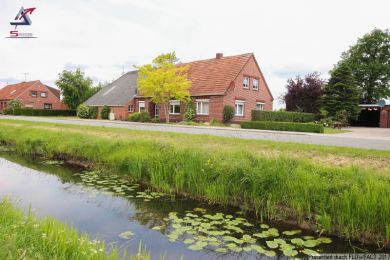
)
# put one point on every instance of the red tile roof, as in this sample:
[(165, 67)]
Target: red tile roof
[(12, 91), (214, 76)]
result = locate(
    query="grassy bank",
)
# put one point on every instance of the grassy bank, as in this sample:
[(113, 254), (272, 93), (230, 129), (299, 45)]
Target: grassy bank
[(348, 196), (25, 237)]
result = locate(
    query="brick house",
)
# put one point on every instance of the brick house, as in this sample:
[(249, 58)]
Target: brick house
[(33, 94), (384, 118), (235, 80)]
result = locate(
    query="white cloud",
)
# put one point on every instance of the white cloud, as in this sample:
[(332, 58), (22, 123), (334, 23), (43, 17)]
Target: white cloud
[(102, 37)]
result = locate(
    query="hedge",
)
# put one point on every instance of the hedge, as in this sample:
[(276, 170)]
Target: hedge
[(284, 126), (42, 112), (282, 116)]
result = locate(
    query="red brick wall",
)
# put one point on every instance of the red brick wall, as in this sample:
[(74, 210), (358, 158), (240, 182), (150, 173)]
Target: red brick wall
[(250, 96), (384, 117), (38, 101)]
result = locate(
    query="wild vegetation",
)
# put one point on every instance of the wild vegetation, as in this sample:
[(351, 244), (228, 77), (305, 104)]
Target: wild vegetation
[(25, 237), (338, 191)]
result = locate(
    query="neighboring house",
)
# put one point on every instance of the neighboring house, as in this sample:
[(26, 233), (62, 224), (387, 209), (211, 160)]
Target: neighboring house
[(235, 80), (384, 121), (33, 94)]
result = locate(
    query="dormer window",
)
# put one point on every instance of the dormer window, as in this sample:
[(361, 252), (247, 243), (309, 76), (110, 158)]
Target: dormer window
[(43, 94), (255, 84), (245, 82), (33, 93)]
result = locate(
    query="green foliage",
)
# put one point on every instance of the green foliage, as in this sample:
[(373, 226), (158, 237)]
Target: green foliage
[(74, 87), (341, 92), (284, 126), (155, 120), (228, 113), (342, 117), (42, 112), (369, 60), (163, 80), (215, 122), (105, 113), (189, 112), (93, 112), (327, 121), (14, 104), (83, 111), (140, 117), (282, 116)]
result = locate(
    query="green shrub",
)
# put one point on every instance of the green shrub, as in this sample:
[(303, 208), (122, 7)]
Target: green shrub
[(14, 104), (93, 112), (144, 117), (282, 116), (42, 112), (155, 120), (327, 121), (284, 126), (215, 122), (342, 117), (134, 117), (228, 113), (105, 113), (189, 111), (83, 111)]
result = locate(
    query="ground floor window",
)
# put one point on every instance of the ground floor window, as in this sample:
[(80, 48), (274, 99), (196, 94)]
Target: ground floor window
[(202, 106), (174, 107), (47, 106), (141, 106), (240, 108), (259, 106), (131, 108)]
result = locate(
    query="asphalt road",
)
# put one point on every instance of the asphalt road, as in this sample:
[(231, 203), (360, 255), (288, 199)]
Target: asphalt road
[(366, 139)]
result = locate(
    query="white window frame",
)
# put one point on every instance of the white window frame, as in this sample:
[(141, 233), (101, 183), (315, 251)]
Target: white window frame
[(239, 102), (262, 104), (130, 108), (36, 93), (44, 94), (255, 86), (143, 106), (245, 85), (199, 107), (174, 103)]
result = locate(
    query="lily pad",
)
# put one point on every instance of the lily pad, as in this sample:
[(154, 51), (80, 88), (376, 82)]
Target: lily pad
[(272, 244), (126, 234), (298, 241), (290, 252), (221, 250), (264, 226), (310, 252), (310, 243), (188, 241), (324, 240), (292, 232)]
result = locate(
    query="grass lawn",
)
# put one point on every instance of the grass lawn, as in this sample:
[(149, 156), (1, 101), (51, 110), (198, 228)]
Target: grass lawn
[(328, 130), (25, 237), (343, 191)]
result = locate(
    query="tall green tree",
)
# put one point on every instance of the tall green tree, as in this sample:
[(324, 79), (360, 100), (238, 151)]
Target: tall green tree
[(75, 87), (164, 80), (369, 60), (341, 92)]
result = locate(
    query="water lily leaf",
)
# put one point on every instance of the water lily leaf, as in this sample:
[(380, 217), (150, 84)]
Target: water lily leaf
[(247, 249), (310, 252), (258, 249), (188, 241), (269, 253), (236, 249), (172, 237), (157, 228), (265, 226), (307, 237), (273, 232), (272, 244), (290, 252), (280, 241), (126, 234), (292, 232), (229, 216), (231, 245), (325, 240), (298, 241), (221, 250), (310, 243), (263, 234)]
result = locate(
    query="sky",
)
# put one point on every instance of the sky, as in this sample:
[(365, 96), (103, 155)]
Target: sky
[(106, 37)]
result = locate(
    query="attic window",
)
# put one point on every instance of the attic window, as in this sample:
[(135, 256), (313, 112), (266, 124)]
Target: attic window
[(13, 91), (108, 91)]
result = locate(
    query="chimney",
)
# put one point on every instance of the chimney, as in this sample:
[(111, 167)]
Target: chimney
[(219, 55)]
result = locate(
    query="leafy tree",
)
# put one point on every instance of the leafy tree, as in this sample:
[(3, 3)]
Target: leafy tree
[(164, 80), (105, 113), (369, 60), (228, 113), (83, 111), (189, 112), (304, 95), (75, 87), (14, 104), (341, 92)]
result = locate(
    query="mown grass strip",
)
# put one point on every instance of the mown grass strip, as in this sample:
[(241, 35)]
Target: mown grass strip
[(350, 201), (25, 237)]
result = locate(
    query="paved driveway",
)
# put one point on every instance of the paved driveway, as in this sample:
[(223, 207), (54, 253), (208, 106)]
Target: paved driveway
[(360, 138)]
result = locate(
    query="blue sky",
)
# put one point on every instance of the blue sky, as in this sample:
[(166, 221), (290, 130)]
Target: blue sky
[(104, 37)]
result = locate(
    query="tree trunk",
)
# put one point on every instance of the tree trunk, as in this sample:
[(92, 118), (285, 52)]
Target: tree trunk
[(166, 112)]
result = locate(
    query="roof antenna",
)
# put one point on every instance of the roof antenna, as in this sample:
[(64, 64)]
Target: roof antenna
[(25, 76)]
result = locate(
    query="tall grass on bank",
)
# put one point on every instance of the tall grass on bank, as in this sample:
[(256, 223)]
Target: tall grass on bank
[(25, 237), (341, 200)]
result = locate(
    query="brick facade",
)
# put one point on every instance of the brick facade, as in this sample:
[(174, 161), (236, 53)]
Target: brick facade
[(384, 121)]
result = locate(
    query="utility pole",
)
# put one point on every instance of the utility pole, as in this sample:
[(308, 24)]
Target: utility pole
[(25, 76)]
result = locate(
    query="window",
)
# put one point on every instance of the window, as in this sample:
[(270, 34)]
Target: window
[(43, 94), (141, 106), (255, 84), (33, 93), (47, 106), (260, 106), (202, 107), (245, 82), (240, 108), (174, 107), (131, 108)]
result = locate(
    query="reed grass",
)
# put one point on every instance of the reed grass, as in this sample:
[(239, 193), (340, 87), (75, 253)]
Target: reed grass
[(350, 201), (25, 237)]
